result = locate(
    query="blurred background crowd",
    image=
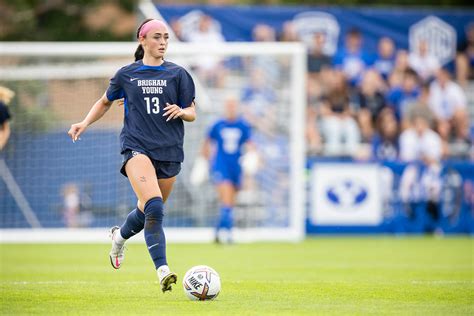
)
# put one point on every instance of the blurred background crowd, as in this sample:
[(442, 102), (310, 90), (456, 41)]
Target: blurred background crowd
[(364, 104)]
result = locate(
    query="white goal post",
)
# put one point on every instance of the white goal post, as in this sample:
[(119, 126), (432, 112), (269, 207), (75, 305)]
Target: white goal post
[(101, 66)]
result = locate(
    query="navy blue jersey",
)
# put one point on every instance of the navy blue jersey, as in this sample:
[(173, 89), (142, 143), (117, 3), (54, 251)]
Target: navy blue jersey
[(146, 90), (229, 137)]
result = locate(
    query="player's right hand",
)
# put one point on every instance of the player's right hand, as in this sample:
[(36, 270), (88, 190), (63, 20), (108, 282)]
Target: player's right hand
[(76, 130)]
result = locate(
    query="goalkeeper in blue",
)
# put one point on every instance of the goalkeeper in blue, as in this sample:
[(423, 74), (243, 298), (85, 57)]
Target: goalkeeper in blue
[(224, 147), (158, 96)]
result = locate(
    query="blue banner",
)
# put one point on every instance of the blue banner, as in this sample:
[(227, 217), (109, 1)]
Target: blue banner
[(444, 28)]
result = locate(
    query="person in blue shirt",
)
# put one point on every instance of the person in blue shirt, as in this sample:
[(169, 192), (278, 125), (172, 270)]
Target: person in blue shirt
[(385, 59), (352, 59), (227, 136), (398, 98), (158, 97)]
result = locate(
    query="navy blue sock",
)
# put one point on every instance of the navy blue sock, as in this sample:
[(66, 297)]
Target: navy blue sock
[(226, 218), (133, 224), (154, 235)]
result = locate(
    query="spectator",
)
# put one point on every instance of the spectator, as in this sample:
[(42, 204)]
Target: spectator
[(385, 59), (399, 97), (209, 67), (71, 205), (385, 141), (352, 60), (340, 130), (423, 62), (317, 59), (421, 148), (395, 79), (177, 29), (263, 33), (257, 97), (421, 104), (5, 97), (369, 101), (312, 116), (465, 58), (270, 64), (288, 33), (448, 102)]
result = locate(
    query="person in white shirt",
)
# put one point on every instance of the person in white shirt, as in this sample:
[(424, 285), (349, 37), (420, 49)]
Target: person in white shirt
[(209, 67), (424, 63), (448, 102), (420, 185)]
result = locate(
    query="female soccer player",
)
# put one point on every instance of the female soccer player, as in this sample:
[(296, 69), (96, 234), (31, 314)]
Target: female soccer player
[(158, 97), (229, 135)]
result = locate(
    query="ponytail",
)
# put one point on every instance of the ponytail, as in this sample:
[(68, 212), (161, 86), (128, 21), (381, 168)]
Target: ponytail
[(139, 52)]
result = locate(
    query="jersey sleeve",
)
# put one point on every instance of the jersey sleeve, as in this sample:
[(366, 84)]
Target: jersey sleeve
[(212, 134), (115, 90), (247, 133), (186, 90)]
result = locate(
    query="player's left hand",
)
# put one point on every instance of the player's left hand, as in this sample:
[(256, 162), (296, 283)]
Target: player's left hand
[(173, 111)]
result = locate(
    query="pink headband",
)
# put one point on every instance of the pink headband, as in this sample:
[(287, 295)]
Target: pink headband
[(148, 26)]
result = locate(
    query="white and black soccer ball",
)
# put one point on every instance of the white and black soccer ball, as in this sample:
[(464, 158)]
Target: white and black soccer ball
[(201, 283)]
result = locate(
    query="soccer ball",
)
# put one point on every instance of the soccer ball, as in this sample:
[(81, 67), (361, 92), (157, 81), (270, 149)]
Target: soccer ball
[(201, 283)]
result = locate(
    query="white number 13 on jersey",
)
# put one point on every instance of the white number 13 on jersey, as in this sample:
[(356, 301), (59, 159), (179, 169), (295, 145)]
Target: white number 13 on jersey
[(155, 103)]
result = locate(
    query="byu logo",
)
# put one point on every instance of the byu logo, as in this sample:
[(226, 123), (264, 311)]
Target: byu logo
[(347, 193), (440, 36), (308, 23)]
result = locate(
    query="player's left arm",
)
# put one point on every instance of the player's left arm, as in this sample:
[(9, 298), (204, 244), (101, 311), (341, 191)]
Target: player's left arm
[(174, 111)]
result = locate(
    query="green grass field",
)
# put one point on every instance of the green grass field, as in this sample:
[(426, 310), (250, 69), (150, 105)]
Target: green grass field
[(335, 276)]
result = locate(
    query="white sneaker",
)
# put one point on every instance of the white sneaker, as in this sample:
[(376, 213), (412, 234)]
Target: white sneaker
[(116, 254), (166, 278)]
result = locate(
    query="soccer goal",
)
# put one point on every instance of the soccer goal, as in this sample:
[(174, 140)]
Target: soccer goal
[(53, 190)]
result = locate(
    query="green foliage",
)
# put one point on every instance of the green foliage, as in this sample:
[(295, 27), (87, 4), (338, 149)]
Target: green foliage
[(63, 20), (35, 117), (324, 276)]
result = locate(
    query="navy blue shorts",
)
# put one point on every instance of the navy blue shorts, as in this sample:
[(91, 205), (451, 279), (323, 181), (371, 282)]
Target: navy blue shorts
[(164, 169)]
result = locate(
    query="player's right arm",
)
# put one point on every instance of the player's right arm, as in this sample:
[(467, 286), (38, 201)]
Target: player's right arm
[(96, 112)]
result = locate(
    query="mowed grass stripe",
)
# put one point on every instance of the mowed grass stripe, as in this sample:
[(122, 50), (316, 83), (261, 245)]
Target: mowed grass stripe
[(335, 276)]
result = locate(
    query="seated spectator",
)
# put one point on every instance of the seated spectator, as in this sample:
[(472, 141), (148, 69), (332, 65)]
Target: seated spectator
[(399, 97), (352, 59), (369, 100), (465, 58), (177, 29), (385, 140), (257, 97), (421, 182), (313, 136), (385, 59), (288, 33), (270, 64), (448, 102), (423, 62), (421, 104), (317, 59), (395, 79), (209, 67), (340, 131), (263, 33)]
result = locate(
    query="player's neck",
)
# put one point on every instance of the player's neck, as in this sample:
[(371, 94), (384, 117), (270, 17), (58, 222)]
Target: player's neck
[(151, 61)]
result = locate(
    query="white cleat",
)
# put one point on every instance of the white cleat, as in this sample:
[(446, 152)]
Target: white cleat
[(116, 254), (166, 278)]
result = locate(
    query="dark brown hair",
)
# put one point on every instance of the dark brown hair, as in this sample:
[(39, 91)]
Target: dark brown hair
[(139, 52)]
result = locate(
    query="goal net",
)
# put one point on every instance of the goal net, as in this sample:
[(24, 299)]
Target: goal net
[(54, 190)]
